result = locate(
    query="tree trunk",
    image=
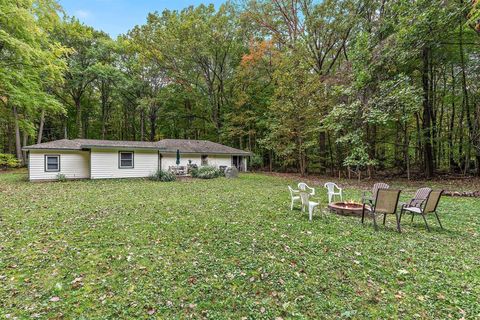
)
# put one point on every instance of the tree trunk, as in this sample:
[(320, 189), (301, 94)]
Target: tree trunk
[(322, 151), (142, 125), (466, 103), (18, 143), (452, 125), (427, 113), (79, 119), (40, 128), (25, 142)]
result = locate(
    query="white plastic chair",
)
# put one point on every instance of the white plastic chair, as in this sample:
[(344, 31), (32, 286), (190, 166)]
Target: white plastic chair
[(332, 193), (306, 203), (302, 186), (294, 196)]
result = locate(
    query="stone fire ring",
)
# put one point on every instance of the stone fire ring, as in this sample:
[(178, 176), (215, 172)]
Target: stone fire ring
[(346, 209)]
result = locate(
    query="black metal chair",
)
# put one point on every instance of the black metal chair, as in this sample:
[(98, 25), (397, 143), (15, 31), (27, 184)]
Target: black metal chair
[(386, 202), (371, 200), (429, 205)]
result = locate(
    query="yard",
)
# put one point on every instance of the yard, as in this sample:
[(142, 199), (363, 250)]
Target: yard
[(225, 249)]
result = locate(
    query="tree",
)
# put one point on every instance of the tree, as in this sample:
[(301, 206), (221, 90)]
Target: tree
[(29, 62)]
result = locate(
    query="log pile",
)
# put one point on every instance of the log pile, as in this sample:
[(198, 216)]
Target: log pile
[(471, 194)]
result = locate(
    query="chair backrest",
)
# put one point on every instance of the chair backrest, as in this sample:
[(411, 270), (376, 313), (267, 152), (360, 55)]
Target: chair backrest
[(378, 186), (387, 200), (331, 186), (420, 196), (305, 196), (292, 193), (432, 201), (302, 186), (422, 193)]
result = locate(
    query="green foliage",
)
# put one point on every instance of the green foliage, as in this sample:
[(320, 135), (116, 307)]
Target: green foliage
[(256, 162), (163, 176), (8, 161), (61, 177), (205, 172)]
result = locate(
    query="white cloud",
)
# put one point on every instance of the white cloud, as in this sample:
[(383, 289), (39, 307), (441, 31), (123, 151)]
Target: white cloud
[(82, 14)]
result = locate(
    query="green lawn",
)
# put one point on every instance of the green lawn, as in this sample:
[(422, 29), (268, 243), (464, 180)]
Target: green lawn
[(224, 249)]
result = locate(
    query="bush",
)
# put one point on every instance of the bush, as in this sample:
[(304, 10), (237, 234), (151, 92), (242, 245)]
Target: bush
[(206, 172), (256, 161), (61, 177), (163, 176), (8, 161)]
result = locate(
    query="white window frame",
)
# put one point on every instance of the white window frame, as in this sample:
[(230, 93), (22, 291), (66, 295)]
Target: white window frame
[(46, 162), (120, 160)]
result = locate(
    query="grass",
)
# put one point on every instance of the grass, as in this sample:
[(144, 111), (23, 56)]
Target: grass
[(224, 249)]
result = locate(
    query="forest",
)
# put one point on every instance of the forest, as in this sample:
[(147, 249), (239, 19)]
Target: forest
[(338, 87)]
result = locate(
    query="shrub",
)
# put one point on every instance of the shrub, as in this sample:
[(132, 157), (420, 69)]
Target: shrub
[(206, 172), (163, 176), (8, 161), (256, 161), (61, 177)]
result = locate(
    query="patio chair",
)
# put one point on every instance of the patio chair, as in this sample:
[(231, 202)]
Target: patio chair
[(294, 196), (306, 203), (331, 191), (429, 205), (371, 200), (302, 186), (386, 202), (419, 198)]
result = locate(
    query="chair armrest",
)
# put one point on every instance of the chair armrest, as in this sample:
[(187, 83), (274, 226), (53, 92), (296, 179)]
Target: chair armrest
[(416, 203)]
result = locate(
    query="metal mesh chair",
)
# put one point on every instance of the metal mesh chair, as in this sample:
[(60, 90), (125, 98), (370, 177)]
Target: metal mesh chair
[(429, 205), (386, 202), (376, 187)]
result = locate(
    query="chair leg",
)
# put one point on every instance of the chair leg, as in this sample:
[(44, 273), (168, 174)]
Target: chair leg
[(425, 219), (363, 212), (291, 205), (438, 219), (375, 221), (310, 213), (398, 222), (413, 215), (400, 218), (384, 218)]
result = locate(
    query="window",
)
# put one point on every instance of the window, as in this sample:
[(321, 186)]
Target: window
[(52, 163), (204, 160), (125, 160)]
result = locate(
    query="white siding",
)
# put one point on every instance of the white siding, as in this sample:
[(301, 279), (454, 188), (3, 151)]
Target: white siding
[(104, 164), (73, 164), (170, 159), (220, 160)]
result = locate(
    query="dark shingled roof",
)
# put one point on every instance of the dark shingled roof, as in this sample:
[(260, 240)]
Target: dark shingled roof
[(197, 146), (63, 144), (91, 143), (165, 145)]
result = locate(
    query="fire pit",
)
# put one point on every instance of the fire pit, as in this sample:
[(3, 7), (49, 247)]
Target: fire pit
[(346, 208)]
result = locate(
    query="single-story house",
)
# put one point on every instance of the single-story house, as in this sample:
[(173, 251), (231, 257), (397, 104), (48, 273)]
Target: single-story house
[(102, 159)]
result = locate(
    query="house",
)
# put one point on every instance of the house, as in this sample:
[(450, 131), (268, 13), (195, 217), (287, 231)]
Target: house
[(103, 159)]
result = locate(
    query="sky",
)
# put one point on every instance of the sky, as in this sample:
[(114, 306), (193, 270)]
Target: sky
[(118, 16)]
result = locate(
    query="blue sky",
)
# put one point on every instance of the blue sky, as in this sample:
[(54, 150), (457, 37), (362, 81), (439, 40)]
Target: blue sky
[(119, 16)]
